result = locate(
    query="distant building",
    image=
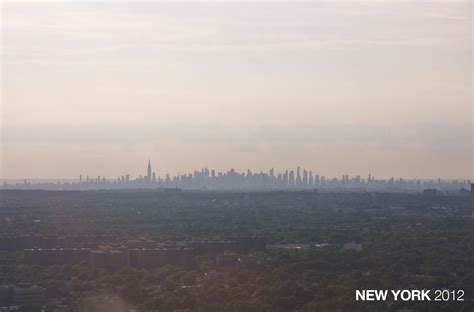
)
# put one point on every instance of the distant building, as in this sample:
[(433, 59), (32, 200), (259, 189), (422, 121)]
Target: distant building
[(58, 256), (292, 178), (148, 172), (28, 294), (298, 176)]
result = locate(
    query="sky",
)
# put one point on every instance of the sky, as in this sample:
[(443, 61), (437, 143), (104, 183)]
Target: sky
[(337, 87)]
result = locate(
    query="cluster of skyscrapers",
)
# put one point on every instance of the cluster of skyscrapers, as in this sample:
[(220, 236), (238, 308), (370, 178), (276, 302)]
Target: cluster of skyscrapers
[(209, 179)]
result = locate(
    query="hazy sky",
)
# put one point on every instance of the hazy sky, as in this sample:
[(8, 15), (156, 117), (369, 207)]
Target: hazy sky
[(381, 87)]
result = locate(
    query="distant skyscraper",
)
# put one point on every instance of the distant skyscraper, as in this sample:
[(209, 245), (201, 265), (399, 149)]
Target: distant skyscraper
[(316, 180), (148, 172), (298, 176), (285, 178)]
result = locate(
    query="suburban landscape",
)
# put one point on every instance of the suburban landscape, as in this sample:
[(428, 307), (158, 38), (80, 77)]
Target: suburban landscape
[(171, 250)]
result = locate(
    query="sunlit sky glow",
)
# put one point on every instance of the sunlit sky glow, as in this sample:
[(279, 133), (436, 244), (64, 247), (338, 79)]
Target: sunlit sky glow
[(381, 87)]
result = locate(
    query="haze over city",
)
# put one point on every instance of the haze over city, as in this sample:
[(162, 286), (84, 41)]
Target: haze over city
[(244, 156), (342, 87)]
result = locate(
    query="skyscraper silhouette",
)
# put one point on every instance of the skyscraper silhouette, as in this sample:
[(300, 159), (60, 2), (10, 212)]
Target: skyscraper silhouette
[(148, 172)]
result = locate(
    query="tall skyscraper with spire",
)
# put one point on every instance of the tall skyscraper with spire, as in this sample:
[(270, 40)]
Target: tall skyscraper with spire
[(148, 171)]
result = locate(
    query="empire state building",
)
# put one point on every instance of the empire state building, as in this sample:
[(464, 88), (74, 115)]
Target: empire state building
[(148, 172)]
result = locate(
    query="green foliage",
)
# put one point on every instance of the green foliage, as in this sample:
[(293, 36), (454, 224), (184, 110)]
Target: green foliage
[(418, 249)]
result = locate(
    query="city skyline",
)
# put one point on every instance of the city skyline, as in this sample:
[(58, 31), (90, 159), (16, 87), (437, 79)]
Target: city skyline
[(211, 179), (149, 174), (223, 155)]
